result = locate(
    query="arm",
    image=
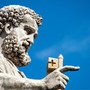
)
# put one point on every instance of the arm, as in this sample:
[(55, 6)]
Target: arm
[(11, 82), (53, 81)]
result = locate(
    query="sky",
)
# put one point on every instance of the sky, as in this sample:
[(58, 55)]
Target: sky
[(65, 30)]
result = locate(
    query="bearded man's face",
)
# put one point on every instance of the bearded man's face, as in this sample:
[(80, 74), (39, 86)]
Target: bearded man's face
[(16, 44)]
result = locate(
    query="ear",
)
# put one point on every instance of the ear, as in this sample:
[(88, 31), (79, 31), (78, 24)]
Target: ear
[(8, 28)]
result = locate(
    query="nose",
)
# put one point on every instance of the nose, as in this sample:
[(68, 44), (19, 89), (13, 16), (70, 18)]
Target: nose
[(30, 39)]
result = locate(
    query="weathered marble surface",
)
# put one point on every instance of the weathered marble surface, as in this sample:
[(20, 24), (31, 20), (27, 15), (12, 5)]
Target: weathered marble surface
[(18, 29)]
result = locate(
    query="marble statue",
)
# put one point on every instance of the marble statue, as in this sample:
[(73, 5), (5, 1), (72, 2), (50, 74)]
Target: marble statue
[(18, 29)]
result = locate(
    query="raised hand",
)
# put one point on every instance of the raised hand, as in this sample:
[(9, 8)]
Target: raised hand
[(57, 79)]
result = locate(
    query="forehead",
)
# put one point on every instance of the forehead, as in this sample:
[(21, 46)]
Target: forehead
[(29, 21)]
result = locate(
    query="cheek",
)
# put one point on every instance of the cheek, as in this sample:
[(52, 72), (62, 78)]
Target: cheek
[(21, 33)]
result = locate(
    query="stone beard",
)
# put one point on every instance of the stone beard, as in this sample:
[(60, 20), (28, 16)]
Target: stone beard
[(15, 51)]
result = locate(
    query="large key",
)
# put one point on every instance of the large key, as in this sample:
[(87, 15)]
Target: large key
[(54, 63)]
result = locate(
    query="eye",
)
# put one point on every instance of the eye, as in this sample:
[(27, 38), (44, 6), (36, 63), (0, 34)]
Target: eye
[(28, 30)]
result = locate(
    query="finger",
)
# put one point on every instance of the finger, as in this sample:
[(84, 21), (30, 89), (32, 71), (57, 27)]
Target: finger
[(65, 77), (69, 68), (62, 80), (62, 85)]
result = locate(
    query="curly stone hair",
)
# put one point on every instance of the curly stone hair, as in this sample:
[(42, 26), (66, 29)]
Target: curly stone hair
[(14, 14)]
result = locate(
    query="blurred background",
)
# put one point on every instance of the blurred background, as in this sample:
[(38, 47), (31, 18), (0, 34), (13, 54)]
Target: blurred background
[(65, 30)]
